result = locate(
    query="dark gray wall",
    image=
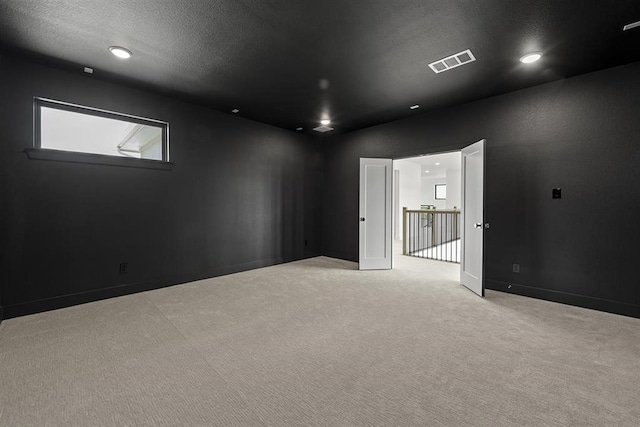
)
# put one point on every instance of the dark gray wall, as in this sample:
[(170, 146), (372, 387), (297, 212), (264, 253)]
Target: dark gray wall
[(581, 134), (242, 195)]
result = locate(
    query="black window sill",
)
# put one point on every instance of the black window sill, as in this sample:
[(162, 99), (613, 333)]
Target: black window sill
[(95, 159)]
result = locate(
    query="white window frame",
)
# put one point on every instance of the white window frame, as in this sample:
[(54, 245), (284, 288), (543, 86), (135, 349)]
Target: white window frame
[(435, 196)]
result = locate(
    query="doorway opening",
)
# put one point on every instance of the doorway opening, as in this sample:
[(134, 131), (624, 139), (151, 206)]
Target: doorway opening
[(426, 207), (376, 229)]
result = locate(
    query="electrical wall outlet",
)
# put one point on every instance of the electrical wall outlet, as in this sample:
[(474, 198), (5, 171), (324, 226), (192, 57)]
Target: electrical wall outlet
[(124, 268), (516, 268)]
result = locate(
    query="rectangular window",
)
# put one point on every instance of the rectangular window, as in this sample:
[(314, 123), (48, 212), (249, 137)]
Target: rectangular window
[(441, 191), (74, 128)]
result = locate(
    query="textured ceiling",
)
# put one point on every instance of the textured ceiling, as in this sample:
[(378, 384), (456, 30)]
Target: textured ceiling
[(268, 57)]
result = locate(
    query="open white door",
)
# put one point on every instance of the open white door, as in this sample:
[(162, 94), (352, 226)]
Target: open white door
[(472, 229), (375, 214)]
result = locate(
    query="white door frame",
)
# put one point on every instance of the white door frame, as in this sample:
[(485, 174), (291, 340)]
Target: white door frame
[(394, 195)]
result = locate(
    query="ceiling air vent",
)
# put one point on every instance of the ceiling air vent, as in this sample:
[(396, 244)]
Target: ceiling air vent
[(323, 128), (452, 61)]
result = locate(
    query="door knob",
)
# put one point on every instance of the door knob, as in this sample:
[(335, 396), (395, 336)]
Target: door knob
[(478, 225), (361, 219), (486, 225)]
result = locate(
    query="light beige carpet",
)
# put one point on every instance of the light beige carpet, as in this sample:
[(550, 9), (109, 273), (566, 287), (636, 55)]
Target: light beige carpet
[(318, 343)]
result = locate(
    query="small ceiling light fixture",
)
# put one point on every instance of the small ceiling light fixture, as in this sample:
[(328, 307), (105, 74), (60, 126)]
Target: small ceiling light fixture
[(121, 52), (426, 171), (235, 111), (415, 107), (437, 164), (298, 128), (325, 122), (88, 70), (630, 26), (531, 57)]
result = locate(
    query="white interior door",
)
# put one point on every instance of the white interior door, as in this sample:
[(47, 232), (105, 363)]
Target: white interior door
[(472, 230), (375, 214)]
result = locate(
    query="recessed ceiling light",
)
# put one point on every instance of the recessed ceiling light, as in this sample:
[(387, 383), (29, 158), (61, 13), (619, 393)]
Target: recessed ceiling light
[(120, 52), (299, 128), (437, 164), (415, 107), (531, 57), (235, 111), (630, 26), (325, 122), (426, 171)]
